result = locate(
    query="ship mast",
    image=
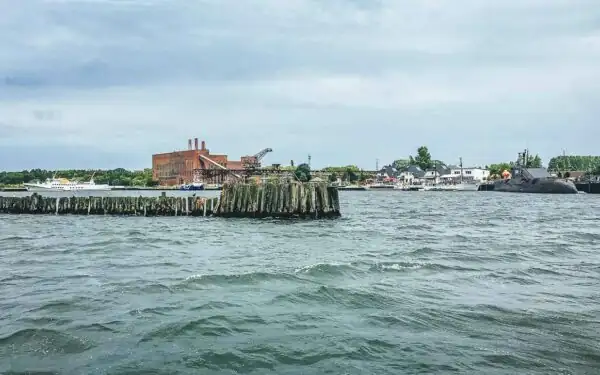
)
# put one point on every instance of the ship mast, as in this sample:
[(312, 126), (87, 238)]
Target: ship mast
[(461, 170)]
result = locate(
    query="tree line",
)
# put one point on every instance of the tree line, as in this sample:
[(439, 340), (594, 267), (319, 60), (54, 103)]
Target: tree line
[(569, 163), (116, 177)]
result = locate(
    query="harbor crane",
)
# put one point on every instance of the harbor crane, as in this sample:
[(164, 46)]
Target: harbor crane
[(253, 161)]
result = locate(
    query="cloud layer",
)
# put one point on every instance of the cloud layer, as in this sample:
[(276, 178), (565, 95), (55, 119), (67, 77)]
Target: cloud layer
[(346, 81)]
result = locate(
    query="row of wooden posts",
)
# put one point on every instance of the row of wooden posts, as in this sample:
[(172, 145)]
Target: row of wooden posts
[(290, 199)]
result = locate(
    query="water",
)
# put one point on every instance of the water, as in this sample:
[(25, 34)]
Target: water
[(404, 283)]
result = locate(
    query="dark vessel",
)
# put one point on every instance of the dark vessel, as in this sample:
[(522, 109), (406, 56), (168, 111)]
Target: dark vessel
[(533, 180)]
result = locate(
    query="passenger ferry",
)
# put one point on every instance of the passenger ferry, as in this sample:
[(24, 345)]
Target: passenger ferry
[(63, 184)]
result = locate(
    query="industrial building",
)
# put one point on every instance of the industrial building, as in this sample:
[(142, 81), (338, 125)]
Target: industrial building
[(185, 166)]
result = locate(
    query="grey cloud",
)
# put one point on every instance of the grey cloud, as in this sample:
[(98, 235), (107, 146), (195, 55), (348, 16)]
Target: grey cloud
[(237, 72)]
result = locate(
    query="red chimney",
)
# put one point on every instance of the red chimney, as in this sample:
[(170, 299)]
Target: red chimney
[(203, 146), (190, 144), (195, 143)]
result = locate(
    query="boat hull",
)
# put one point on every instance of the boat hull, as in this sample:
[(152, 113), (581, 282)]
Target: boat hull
[(192, 187), (541, 186), (353, 188), (467, 187)]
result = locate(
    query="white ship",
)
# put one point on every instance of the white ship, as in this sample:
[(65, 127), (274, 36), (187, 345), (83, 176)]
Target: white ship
[(63, 184)]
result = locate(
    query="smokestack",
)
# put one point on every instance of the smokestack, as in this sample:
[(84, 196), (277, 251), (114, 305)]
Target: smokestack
[(190, 144), (195, 143), (203, 146)]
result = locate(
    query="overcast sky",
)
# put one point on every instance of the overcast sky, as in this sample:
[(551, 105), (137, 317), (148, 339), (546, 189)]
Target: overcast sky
[(107, 83)]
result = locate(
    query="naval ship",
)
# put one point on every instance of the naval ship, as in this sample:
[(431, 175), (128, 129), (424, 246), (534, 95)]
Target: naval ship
[(532, 180)]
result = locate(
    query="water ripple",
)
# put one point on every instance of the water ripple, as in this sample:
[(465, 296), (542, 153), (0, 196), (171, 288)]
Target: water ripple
[(404, 283)]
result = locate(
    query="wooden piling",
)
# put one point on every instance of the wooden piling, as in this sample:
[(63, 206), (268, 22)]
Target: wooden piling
[(122, 206), (279, 199)]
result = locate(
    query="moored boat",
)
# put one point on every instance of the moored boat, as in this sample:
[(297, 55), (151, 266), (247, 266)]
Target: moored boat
[(63, 184)]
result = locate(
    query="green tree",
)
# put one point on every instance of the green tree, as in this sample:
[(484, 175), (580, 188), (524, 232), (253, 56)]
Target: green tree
[(574, 163), (402, 164), (534, 161), (333, 177), (302, 173), (423, 158)]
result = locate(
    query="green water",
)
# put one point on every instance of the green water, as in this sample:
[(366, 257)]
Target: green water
[(404, 283)]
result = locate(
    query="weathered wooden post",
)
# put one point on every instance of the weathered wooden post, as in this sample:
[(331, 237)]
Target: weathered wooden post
[(312, 200)]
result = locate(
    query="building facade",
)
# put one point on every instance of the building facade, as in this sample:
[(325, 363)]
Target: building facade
[(475, 174), (177, 167)]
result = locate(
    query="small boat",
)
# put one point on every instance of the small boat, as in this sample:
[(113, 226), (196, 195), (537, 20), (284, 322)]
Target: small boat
[(409, 187), (465, 186), (192, 186), (354, 187), (382, 186)]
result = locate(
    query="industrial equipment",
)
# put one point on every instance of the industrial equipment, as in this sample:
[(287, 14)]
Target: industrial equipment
[(253, 161)]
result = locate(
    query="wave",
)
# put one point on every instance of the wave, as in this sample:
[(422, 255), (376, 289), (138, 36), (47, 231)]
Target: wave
[(216, 325), (67, 305), (353, 299), (43, 342), (327, 269), (251, 278), (406, 266)]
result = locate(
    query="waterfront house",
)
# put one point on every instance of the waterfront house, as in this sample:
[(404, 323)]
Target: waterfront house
[(433, 175), (387, 172), (411, 175), (474, 174)]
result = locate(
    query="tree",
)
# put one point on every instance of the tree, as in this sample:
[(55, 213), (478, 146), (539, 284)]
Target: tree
[(534, 161), (402, 164), (423, 158), (302, 172), (333, 177)]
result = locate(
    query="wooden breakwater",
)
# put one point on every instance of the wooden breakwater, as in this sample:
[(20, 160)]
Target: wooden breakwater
[(123, 206), (279, 200)]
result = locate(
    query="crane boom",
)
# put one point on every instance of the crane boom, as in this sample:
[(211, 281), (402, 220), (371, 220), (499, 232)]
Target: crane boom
[(218, 165), (253, 162)]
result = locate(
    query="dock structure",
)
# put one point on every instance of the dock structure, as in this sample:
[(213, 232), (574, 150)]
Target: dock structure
[(122, 206), (311, 200)]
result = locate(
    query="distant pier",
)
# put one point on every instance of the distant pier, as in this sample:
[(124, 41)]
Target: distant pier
[(122, 206)]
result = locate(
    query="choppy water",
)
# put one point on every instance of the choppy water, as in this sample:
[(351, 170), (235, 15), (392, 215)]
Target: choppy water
[(405, 283)]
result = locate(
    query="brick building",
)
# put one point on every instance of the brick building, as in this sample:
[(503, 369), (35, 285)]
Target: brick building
[(173, 168)]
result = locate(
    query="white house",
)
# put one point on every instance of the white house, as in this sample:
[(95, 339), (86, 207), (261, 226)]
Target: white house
[(476, 174), (411, 175)]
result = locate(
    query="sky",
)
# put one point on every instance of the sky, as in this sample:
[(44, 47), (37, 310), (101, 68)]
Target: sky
[(107, 83)]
